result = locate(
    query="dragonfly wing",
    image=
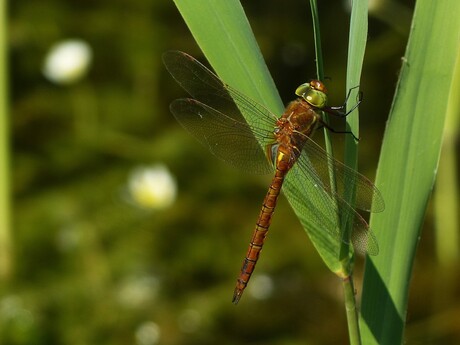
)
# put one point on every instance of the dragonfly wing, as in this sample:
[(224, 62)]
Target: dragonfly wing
[(320, 220), (321, 211), (230, 140), (368, 197), (313, 170), (209, 89)]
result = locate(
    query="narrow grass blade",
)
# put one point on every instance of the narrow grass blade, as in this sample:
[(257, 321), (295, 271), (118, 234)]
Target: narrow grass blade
[(223, 33), (356, 49), (446, 198), (5, 207), (408, 164)]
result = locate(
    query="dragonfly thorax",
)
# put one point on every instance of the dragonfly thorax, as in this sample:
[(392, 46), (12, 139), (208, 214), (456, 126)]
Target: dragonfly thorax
[(298, 121), (292, 130)]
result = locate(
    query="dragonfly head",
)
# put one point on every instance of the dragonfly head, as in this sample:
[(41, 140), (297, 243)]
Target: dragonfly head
[(314, 93)]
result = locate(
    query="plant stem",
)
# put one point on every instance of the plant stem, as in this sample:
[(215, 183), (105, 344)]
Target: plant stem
[(320, 70), (352, 312), (344, 254), (320, 75), (5, 236), (317, 39)]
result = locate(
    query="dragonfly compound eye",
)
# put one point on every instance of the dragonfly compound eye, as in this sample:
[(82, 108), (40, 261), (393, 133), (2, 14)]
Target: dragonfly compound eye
[(302, 89), (316, 97)]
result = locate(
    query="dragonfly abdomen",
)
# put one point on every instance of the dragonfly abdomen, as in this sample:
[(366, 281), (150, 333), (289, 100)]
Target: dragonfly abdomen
[(259, 234)]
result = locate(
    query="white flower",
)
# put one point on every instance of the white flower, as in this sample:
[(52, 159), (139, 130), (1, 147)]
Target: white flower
[(12, 309), (67, 61), (261, 286), (69, 237), (147, 333), (136, 292), (189, 320), (152, 187)]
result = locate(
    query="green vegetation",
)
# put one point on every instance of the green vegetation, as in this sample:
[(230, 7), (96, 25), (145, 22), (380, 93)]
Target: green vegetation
[(93, 258)]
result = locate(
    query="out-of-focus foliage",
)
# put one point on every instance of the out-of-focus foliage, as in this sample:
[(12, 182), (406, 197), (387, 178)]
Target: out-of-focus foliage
[(91, 264)]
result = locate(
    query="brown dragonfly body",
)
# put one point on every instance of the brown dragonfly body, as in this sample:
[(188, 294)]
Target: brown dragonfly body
[(214, 116), (297, 123)]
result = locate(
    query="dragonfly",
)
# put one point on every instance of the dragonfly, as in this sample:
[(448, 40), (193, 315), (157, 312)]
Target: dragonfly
[(280, 145)]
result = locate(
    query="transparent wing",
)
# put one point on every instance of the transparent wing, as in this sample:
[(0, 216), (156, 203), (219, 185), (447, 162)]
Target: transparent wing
[(320, 212), (322, 207), (317, 161), (204, 86), (228, 139)]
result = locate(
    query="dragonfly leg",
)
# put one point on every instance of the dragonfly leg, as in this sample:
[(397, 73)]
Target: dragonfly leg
[(338, 132), (341, 110)]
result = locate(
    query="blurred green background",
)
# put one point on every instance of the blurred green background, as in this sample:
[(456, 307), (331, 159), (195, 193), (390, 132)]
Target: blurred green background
[(102, 255)]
